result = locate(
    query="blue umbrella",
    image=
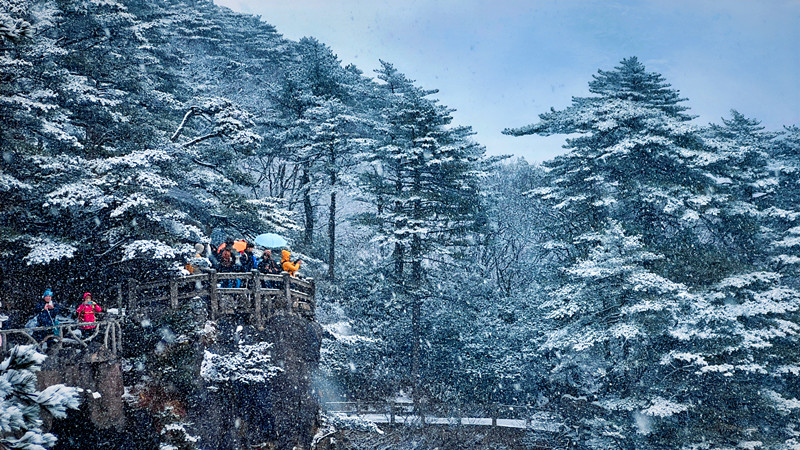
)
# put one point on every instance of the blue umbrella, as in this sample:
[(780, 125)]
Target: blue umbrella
[(271, 240)]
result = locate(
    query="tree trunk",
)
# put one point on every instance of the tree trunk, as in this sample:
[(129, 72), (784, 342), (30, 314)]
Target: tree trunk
[(416, 329), (416, 281), (332, 236), (332, 217), (305, 180), (399, 255)]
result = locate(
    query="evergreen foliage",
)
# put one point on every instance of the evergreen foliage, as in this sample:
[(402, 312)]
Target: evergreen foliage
[(644, 286), (21, 403), (424, 187), (668, 325)]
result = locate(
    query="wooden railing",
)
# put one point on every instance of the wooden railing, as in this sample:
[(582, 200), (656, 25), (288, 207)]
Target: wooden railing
[(109, 329), (259, 295), (254, 293), (495, 415)]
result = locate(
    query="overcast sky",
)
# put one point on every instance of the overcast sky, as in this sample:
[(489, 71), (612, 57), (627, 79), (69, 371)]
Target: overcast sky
[(500, 63)]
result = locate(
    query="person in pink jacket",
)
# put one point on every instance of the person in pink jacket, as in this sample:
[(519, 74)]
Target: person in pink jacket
[(86, 311)]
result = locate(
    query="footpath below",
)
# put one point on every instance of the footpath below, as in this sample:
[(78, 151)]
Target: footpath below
[(443, 438)]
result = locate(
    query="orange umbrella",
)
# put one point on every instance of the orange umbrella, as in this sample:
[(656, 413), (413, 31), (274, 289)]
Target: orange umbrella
[(240, 245)]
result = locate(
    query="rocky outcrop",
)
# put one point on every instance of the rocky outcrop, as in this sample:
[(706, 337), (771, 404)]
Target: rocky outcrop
[(280, 412), (276, 411), (95, 371), (297, 351)]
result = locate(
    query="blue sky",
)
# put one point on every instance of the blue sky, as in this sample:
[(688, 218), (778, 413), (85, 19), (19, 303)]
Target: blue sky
[(501, 63)]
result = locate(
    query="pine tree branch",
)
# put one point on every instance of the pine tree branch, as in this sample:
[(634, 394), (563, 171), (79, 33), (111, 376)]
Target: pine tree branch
[(201, 139), (204, 164)]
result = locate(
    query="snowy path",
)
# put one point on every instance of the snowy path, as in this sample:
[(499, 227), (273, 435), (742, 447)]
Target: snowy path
[(475, 421)]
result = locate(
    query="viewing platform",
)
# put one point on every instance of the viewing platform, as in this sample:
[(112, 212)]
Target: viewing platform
[(257, 297)]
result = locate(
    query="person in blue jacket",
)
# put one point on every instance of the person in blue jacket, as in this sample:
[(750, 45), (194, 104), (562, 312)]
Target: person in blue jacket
[(248, 259), (47, 310)]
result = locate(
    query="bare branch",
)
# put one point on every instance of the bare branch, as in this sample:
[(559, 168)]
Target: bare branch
[(192, 111)]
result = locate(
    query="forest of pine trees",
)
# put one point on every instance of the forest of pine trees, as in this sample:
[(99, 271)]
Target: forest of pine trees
[(643, 285)]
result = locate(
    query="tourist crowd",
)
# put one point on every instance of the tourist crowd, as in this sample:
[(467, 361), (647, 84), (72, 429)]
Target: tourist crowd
[(228, 258)]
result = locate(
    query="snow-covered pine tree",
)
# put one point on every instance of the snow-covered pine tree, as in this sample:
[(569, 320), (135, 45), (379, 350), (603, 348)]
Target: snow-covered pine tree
[(309, 86), (630, 161), (336, 141), (424, 188), (737, 161), (80, 185), (639, 171), (783, 215), (21, 403), (93, 177), (29, 110), (216, 65), (741, 331)]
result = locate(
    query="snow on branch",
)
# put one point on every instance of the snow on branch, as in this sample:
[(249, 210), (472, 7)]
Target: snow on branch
[(13, 29), (21, 403), (57, 398), (781, 403), (137, 200), (662, 407), (151, 249), (11, 184), (742, 280), (134, 160), (76, 196), (46, 250), (249, 364)]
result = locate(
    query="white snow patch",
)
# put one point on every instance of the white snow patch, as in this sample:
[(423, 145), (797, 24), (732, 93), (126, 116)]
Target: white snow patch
[(662, 407)]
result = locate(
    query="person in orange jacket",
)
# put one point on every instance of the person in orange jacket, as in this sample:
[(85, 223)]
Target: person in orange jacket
[(287, 265), (86, 311)]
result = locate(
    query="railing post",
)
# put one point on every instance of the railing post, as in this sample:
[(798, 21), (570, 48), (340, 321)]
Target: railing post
[(287, 293), (271, 301), (212, 293), (256, 290), (527, 417), (495, 411), (132, 294), (118, 328), (113, 338), (120, 303), (391, 412), (312, 293), (173, 292)]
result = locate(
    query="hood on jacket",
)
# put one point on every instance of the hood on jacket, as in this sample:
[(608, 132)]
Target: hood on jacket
[(285, 255)]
